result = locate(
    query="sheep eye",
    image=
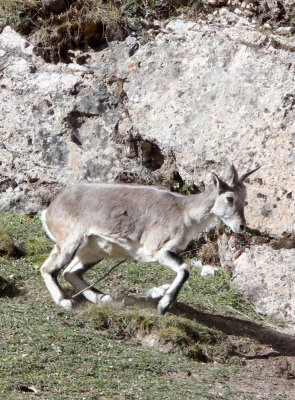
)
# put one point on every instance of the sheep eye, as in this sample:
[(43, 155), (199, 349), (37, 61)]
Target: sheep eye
[(230, 200)]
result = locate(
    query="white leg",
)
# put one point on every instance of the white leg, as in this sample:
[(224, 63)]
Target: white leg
[(74, 275), (49, 271), (176, 263)]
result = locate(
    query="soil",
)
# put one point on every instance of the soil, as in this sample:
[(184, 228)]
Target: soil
[(267, 376)]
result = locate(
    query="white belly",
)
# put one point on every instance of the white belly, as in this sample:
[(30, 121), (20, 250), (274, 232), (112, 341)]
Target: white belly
[(101, 246)]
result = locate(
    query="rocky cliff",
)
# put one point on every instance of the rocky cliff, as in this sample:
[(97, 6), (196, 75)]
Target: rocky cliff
[(185, 100)]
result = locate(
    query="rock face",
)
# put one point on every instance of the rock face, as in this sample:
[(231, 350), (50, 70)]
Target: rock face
[(266, 277), (216, 93), (198, 94), (56, 124)]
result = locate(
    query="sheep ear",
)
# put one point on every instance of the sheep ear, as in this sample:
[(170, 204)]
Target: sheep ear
[(230, 175), (243, 177), (219, 184)]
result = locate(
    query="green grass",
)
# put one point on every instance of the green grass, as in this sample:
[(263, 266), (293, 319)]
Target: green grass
[(98, 352), (213, 293), (22, 236)]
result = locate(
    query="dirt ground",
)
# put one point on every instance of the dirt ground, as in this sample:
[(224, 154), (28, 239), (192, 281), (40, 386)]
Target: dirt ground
[(267, 352), (268, 376)]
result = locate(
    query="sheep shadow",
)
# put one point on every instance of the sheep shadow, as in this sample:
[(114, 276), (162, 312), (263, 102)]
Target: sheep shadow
[(281, 343)]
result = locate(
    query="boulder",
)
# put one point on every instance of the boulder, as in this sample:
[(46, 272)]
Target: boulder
[(229, 249), (266, 278)]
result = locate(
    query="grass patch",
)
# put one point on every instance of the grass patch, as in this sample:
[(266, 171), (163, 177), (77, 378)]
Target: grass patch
[(214, 293), (170, 333), (21, 14), (119, 322)]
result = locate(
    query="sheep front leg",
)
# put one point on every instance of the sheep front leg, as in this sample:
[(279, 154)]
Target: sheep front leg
[(169, 292)]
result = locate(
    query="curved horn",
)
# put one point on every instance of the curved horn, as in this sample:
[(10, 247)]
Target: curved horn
[(243, 177)]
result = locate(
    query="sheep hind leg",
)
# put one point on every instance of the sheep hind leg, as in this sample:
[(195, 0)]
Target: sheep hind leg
[(50, 270), (74, 275)]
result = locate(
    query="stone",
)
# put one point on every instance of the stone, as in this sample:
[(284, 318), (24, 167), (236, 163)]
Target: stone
[(92, 101), (217, 3), (209, 270), (196, 264), (285, 30), (9, 39), (60, 132), (266, 278), (78, 67)]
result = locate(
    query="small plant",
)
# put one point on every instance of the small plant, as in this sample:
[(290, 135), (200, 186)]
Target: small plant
[(142, 322), (7, 246), (174, 335), (20, 236), (177, 184), (132, 10), (210, 254)]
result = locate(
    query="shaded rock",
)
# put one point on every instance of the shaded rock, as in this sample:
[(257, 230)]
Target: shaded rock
[(92, 101), (229, 249), (54, 5), (266, 278)]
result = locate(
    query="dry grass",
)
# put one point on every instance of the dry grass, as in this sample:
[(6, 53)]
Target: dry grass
[(83, 23)]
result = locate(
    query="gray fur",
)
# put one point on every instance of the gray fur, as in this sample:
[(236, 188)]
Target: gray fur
[(89, 222)]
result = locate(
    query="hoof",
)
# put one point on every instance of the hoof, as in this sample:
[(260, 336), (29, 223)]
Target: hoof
[(106, 298), (164, 305), (103, 298), (156, 293), (66, 304)]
